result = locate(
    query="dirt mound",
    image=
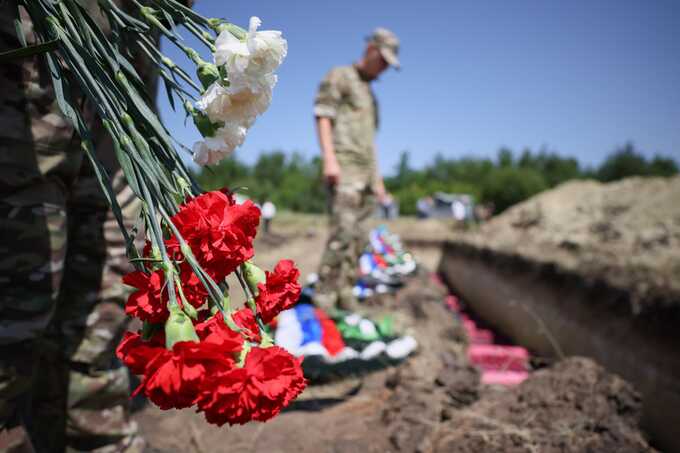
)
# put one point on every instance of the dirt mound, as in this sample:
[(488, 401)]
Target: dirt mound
[(626, 233), (574, 406)]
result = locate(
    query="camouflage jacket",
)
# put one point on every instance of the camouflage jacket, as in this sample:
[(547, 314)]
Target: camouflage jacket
[(33, 126), (346, 98)]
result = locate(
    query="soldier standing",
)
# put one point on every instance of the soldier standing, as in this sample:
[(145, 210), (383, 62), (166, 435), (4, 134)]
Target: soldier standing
[(346, 120), (61, 261)]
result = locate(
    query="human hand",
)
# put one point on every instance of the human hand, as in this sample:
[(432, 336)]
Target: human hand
[(384, 197), (331, 171)]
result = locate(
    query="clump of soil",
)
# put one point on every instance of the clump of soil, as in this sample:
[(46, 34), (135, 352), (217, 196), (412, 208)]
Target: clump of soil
[(626, 233), (574, 406)]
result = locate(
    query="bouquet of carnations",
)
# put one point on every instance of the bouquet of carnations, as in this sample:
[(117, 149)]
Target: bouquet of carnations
[(193, 349), (198, 352)]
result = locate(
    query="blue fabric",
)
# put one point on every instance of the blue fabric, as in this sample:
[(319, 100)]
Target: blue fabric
[(311, 327)]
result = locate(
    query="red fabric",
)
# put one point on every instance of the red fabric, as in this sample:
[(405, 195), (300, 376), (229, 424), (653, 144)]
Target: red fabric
[(270, 379), (280, 291), (380, 260), (330, 335)]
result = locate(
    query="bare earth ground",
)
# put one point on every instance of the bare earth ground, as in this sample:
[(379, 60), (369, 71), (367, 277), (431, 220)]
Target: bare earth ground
[(431, 403), (301, 237), (627, 233)]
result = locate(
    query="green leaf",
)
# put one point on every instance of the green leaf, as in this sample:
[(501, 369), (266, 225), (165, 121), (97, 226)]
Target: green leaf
[(62, 92), (29, 51), (125, 18), (20, 30), (168, 91)]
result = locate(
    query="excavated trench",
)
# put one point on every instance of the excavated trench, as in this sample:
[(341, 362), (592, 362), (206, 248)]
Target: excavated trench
[(556, 313), (433, 402)]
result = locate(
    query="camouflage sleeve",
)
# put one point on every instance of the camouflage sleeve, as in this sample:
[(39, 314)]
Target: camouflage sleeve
[(329, 95)]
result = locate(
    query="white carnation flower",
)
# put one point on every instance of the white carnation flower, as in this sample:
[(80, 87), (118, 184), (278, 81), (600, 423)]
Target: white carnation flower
[(250, 66), (249, 62), (231, 52), (232, 135), (267, 48), (213, 149), (214, 101), (239, 105)]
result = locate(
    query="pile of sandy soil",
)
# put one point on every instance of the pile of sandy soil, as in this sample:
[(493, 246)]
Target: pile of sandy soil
[(626, 233), (433, 402), (574, 406)]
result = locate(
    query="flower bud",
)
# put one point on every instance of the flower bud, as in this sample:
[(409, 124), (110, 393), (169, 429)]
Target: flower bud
[(206, 127), (178, 328), (190, 310), (220, 25), (253, 276), (207, 74)]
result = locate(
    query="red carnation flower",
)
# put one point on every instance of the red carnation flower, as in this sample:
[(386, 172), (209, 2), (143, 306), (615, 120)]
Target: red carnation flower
[(147, 302), (215, 331), (219, 231), (245, 319), (137, 353), (193, 288), (174, 379), (280, 292), (269, 380)]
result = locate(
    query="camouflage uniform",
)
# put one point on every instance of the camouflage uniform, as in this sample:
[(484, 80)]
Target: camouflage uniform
[(347, 98), (61, 260)]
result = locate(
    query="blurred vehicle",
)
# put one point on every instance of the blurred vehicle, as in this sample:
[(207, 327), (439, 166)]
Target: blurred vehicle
[(445, 205)]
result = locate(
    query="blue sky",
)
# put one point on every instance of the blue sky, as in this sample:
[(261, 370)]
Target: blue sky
[(580, 77)]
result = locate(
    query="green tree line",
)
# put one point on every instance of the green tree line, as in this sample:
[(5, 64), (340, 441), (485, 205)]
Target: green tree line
[(293, 182)]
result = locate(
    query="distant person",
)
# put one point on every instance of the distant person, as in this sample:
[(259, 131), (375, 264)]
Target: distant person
[(268, 212), (346, 120), (424, 207), (458, 210), (387, 207), (483, 212)]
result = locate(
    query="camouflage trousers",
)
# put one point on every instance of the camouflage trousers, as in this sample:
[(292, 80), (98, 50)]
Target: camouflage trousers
[(351, 203), (61, 316)]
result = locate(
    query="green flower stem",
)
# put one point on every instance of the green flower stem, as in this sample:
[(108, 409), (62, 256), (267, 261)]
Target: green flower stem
[(82, 73), (218, 25), (243, 354), (66, 15), (149, 14), (156, 55), (189, 309), (123, 18), (141, 259), (210, 285), (250, 300), (244, 285), (267, 340), (219, 299), (187, 14), (205, 37), (226, 314), (143, 146), (157, 240)]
